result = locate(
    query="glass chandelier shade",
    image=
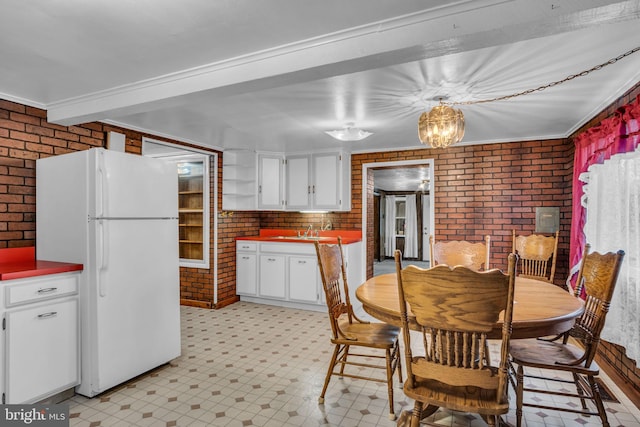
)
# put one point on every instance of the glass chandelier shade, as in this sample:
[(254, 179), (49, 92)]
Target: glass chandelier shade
[(349, 133), (441, 127)]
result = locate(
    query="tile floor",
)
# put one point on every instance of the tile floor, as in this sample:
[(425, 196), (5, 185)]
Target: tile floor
[(258, 365)]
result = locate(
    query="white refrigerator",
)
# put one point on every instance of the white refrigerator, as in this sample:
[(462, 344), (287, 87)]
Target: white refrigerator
[(117, 214)]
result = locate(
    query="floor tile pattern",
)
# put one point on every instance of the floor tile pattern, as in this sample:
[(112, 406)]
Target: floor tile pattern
[(258, 365)]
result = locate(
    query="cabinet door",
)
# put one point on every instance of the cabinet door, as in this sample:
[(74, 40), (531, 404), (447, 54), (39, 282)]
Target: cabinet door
[(272, 276), (303, 278), (246, 273), (298, 185), (270, 185), (326, 181), (41, 351)]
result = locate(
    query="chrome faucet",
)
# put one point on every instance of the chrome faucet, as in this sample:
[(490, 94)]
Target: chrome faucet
[(308, 232)]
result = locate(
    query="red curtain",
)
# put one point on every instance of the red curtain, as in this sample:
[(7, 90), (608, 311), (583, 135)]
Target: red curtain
[(617, 134)]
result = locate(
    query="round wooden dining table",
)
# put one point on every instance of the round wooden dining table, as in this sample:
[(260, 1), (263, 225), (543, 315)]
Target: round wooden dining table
[(540, 308)]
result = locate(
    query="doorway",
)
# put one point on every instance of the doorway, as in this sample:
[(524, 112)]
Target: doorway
[(206, 222), (401, 177)]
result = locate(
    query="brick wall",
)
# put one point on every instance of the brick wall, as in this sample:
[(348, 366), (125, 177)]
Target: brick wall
[(26, 135)]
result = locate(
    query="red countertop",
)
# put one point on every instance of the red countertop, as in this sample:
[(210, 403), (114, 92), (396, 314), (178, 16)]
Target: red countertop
[(328, 236), (21, 263)]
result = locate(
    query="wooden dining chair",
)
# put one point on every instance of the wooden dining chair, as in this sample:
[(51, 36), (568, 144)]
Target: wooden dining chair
[(455, 309), (460, 252), (348, 331), (537, 255), (598, 275)]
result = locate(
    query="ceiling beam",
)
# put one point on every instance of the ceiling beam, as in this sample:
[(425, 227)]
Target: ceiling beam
[(458, 27)]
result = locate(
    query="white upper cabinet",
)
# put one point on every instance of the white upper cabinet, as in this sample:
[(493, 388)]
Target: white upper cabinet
[(298, 188), (270, 179), (299, 182), (318, 182)]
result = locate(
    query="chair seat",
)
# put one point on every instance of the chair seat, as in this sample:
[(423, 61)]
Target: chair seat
[(466, 399), (374, 335), (550, 355)]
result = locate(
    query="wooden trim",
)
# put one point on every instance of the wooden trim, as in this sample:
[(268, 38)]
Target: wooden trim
[(624, 384), (195, 303), (226, 302)]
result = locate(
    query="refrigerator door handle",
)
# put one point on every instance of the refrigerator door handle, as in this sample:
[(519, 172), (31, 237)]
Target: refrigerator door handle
[(101, 188), (102, 256)]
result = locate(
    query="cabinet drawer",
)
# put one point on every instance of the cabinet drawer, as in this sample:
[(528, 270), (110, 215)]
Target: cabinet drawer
[(289, 248), (246, 246), (41, 288)]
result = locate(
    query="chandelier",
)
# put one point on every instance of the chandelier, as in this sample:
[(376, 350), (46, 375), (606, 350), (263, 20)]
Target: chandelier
[(441, 127), (444, 125)]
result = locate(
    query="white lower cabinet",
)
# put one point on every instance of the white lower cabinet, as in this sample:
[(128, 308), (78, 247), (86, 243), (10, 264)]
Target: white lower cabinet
[(288, 274), (272, 276), (304, 277), (41, 350), (246, 268), (41, 337)]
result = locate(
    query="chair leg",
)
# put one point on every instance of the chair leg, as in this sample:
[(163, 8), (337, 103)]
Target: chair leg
[(396, 351), (389, 359), (519, 395), (404, 420), (576, 379), (344, 359), (595, 391), (332, 365), (490, 420), (417, 413)]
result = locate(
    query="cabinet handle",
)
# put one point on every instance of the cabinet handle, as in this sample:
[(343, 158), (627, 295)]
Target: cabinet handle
[(47, 290), (308, 189), (245, 257), (302, 262), (271, 259), (314, 189), (245, 247), (47, 315), (259, 188)]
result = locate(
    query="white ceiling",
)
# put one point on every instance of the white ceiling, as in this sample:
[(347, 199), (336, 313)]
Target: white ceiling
[(274, 75)]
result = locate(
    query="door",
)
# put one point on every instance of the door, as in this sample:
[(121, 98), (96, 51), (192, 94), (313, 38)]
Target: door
[(425, 227), (298, 186), (326, 181), (246, 273), (128, 185), (303, 278), (42, 350), (137, 301), (270, 182), (272, 276)]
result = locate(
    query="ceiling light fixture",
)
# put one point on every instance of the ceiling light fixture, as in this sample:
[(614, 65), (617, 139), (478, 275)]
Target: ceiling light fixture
[(444, 125), (441, 127), (349, 133)]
